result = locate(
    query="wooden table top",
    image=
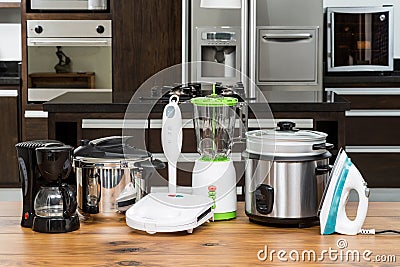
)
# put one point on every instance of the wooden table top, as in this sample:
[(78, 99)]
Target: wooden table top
[(110, 242)]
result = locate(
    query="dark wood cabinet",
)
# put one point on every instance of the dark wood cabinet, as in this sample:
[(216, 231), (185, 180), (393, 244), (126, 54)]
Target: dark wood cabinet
[(146, 40), (372, 133), (9, 136)]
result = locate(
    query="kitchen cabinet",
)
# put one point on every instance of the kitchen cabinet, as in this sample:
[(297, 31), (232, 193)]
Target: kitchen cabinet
[(9, 137), (372, 132), (146, 40)]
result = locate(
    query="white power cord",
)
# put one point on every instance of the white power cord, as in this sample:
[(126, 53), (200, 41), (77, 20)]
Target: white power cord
[(366, 232), (373, 232)]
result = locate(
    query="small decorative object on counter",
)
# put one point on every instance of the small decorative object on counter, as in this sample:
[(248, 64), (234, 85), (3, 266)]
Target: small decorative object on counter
[(64, 62)]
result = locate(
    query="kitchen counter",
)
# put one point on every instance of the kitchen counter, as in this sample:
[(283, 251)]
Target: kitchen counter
[(110, 242), (102, 102), (76, 116)]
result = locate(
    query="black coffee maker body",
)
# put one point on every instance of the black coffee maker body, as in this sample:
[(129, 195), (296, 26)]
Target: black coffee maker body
[(48, 186), (29, 176)]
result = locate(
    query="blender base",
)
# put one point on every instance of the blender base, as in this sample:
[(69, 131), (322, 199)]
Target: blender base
[(224, 216), (216, 180)]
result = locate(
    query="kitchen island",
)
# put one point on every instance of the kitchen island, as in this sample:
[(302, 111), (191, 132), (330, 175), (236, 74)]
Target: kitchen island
[(108, 241), (68, 113)]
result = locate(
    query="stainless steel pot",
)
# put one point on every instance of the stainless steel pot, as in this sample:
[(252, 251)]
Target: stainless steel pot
[(285, 186), (111, 175)]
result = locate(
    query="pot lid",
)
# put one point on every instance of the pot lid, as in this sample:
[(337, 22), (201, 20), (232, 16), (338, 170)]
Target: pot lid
[(214, 100), (286, 132), (113, 148)]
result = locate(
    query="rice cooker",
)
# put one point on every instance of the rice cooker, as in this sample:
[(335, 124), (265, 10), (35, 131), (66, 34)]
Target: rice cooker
[(112, 175), (287, 170)]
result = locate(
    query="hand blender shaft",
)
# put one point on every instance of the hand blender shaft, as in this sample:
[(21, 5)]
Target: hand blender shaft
[(171, 138)]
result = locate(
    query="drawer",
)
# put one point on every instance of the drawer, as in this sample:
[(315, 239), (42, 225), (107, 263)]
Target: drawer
[(380, 170), (374, 101), (373, 131), (287, 55)]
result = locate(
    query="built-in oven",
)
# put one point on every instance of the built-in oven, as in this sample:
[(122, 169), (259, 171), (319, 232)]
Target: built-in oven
[(68, 55), (217, 45), (360, 39), (65, 5)]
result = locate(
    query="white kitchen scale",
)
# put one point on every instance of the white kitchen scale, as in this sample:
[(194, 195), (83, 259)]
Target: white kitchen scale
[(170, 212)]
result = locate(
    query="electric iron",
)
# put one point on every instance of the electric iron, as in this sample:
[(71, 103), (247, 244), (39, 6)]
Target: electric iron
[(332, 213)]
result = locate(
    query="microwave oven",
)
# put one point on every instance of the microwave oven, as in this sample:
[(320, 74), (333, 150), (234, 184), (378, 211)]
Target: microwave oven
[(360, 39), (72, 5)]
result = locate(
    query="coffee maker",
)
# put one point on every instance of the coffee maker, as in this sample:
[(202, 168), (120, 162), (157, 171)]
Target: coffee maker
[(48, 186)]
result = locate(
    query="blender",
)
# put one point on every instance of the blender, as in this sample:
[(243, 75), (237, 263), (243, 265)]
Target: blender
[(214, 174)]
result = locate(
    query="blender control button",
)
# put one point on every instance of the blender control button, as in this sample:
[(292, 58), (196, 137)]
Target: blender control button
[(179, 196), (26, 215)]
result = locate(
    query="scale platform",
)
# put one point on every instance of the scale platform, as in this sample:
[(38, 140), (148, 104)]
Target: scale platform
[(166, 212)]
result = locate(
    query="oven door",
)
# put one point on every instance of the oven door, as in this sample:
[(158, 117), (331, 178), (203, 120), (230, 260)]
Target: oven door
[(90, 66), (360, 39)]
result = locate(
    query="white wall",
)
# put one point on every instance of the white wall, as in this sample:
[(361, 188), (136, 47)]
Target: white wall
[(360, 3)]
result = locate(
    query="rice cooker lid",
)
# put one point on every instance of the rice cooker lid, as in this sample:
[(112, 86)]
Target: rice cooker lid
[(110, 149), (286, 131), (286, 141)]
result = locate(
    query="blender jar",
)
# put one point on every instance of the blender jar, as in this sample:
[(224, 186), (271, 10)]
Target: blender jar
[(214, 121)]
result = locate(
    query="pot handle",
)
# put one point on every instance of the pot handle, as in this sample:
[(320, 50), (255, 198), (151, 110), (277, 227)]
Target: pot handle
[(154, 163), (323, 169), (322, 146)]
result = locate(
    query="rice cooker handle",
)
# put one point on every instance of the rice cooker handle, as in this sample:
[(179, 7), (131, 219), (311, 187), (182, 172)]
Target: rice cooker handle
[(264, 195), (324, 169), (322, 146)]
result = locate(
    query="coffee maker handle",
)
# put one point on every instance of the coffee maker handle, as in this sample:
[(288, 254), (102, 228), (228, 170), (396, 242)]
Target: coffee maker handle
[(69, 200)]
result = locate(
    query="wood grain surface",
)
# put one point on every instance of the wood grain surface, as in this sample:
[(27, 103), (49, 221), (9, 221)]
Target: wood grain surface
[(108, 241)]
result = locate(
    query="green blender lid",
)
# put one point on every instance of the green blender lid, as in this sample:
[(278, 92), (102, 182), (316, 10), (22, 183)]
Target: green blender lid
[(214, 101)]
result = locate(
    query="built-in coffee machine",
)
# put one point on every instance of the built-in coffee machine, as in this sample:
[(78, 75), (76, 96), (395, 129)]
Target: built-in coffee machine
[(48, 186)]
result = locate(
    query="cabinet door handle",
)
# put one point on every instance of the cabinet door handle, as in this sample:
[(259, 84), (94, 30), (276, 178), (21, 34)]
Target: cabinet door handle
[(364, 91), (373, 149), (8, 93), (114, 124), (373, 113), (38, 114)]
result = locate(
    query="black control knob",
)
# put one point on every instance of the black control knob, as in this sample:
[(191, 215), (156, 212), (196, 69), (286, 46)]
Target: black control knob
[(100, 29), (38, 29)]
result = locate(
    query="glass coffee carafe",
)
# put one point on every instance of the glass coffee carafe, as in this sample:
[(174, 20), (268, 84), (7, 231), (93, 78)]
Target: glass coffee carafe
[(55, 202)]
